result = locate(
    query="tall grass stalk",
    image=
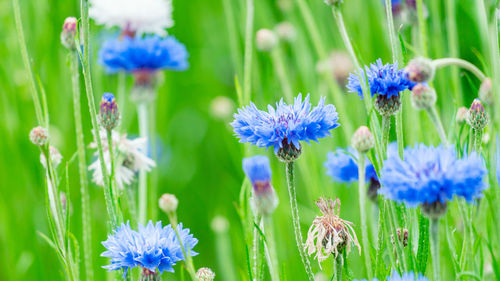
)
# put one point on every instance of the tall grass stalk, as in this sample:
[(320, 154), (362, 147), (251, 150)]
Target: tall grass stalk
[(247, 65), (82, 169), (363, 215), (85, 60), (270, 247), (280, 68), (296, 220), (142, 115), (433, 115)]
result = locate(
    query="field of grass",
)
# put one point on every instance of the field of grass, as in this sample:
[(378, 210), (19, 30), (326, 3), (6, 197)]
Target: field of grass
[(197, 155)]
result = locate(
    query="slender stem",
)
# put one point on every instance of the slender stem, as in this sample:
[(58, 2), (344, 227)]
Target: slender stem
[(477, 141), (440, 63), (338, 267), (270, 247), (82, 169), (296, 220), (142, 112), (279, 67), (362, 211), (422, 27), (433, 115), (27, 64), (390, 26), (247, 72), (112, 182), (233, 35), (187, 254), (84, 58), (434, 235), (399, 132), (256, 247), (386, 130), (398, 243), (345, 37)]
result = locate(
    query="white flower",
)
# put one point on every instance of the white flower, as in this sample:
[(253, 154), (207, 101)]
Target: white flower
[(139, 16), (55, 156), (128, 155)]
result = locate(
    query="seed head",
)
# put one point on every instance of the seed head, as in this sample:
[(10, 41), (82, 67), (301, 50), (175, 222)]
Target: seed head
[(39, 136), (266, 40), (108, 113), (168, 203), (476, 117), (423, 96), (205, 274), (420, 70), (363, 140), (68, 33)]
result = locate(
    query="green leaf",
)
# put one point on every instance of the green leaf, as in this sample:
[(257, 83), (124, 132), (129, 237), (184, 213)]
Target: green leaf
[(423, 243)]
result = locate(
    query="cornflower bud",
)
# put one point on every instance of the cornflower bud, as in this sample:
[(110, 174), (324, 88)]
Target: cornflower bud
[(363, 140), (476, 117), (108, 113), (266, 40), (264, 199), (205, 274), (168, 203), (461, 115), (387, 106), (420, 70), (333, 2), (486, 92), (286, 31), (68, 33), (423, 96), (39, 136)]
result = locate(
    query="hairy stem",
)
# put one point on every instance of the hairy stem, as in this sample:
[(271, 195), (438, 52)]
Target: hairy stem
[(142, 112), (270, 247), (386, 130), (295, 218), (434, 235), (440, 63), (433, 115), (362, 211)]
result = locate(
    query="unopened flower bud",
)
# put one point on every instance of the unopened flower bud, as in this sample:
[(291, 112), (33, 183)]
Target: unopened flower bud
[(266, 40), (108, 113), (423, 96), (387, 106), (476, 117), (362, 140), (286, 31), (39, 136), (486, 92), (68, 33), (168, 203), (420, 70), (461, 115), (205, 274), (264, 199), (333, 2)]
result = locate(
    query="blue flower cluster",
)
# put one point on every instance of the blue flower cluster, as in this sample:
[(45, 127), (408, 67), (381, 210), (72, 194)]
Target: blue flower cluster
[(432, 174), (383, 79), (405, 277), (257, 169), (287, 124), (143, 53), (152, 247), (342, 167)]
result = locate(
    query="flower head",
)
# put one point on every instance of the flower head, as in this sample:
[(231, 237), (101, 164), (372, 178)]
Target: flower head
[(431, 176), (109, 115), (329, 234), (152, 247), (150, 53), (146, 16), (341, 166), (284, 127), (363, 139), (129, 158), (477, 117), (168, 203), (68, 33), (383, 79), (257, 169), (39, 136), (405, 277), (205, 274)]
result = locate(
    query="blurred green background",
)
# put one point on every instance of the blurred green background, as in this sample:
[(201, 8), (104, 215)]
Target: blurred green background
[(199, 160)]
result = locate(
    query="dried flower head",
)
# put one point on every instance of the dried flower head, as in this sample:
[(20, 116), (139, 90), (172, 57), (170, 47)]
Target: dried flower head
[(205, 274), (329, 234), (39, 136)]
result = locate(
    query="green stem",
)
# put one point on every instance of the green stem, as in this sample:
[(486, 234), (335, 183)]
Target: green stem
[(279, 67), (422, 27), (478, 135), (434, 236), (142, 112), (247, 73), (84, 58), (345, 37), (296, 220), (362, 211), (393, 221), (440, 63), (82, 169), (434, 116), (390, 26), (338, 268), (270, 247), (399, 132), (112, 181), (27, 64), (386, 130), (187, 254), (256, 247)]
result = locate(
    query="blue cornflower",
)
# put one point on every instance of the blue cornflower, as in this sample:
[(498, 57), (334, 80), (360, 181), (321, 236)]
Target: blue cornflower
[(432, 175), (342, 167), (286, 125), (153, 247), (383, 79), (257, 169), (405, 277), (149, 53)]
